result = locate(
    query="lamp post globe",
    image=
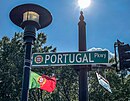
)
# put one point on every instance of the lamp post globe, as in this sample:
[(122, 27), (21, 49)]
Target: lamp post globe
[(30, 17)]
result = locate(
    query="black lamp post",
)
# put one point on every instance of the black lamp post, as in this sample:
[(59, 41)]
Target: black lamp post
[(83, 74), (30, 17)]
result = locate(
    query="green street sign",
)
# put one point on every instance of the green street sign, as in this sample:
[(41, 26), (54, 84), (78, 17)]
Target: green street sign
[(70, 58)]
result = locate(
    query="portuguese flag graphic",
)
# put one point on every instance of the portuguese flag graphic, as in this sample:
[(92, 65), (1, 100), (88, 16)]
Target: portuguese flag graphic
[(43, 82)]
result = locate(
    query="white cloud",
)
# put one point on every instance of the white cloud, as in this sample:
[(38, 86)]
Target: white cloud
[(111, 55)]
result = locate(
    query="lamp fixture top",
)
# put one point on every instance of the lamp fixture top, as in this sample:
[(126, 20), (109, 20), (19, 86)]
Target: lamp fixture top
[(16, 14)]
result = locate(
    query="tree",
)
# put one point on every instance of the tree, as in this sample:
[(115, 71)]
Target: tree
[(11, 61), (11, 70), (120, 90)]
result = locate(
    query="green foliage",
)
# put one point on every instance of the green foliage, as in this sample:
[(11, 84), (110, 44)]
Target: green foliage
[(11, 61), (120, 90), (67, 85), (11, 70)]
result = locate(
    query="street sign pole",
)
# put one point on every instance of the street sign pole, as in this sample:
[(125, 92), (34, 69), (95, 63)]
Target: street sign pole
[(83, 72)]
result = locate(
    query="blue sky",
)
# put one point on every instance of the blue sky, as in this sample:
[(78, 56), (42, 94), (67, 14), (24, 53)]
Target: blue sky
[(107, 21)]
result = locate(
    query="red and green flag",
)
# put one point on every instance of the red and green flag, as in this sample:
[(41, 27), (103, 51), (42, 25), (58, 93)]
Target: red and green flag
[(43, 82)]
